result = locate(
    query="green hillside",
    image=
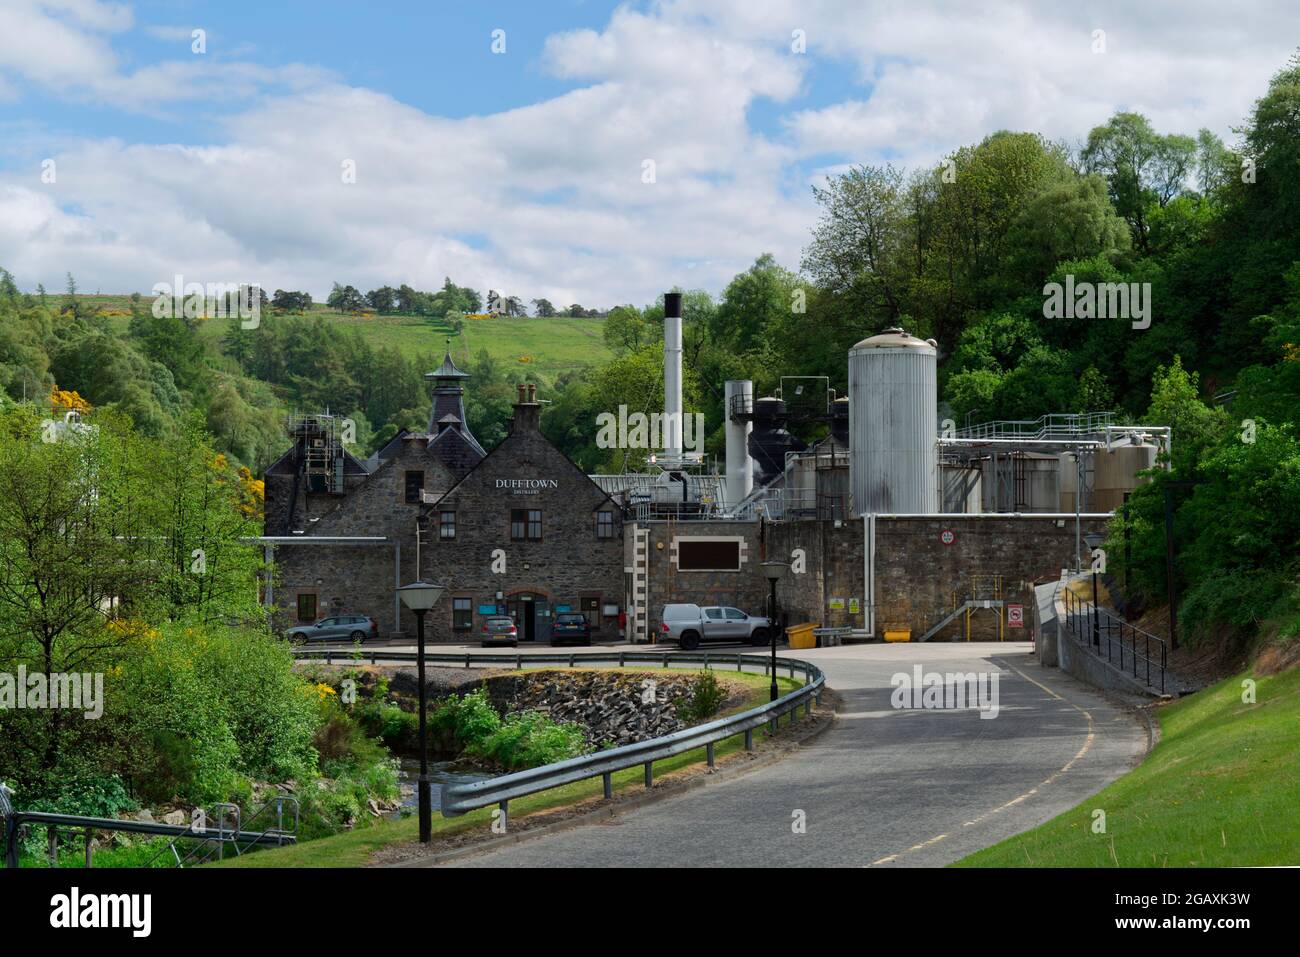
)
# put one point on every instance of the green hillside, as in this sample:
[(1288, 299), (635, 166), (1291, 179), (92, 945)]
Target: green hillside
[(543, 348)]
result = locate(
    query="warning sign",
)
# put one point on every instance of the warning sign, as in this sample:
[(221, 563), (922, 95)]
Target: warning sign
[(1015, 616), (947, 537)]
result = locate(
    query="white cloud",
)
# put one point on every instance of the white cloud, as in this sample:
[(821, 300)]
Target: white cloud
[(548, 199)]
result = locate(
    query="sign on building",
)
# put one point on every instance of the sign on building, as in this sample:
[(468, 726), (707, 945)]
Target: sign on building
[(1015, 616)]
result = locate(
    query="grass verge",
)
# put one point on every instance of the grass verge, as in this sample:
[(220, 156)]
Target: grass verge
[(1219, 790), (355, 848)]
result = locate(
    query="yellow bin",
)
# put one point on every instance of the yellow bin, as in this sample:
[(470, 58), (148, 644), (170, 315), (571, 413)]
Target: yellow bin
[(904, 634), (801, 636)]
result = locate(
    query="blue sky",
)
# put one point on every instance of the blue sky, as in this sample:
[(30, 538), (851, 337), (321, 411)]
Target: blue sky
[(525, 171)]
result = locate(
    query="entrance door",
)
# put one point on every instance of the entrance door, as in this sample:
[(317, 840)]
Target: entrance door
[(526, 609), (542, 615)]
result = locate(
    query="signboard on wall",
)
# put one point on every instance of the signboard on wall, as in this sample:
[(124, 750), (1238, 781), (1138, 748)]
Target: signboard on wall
[(1015, 616), (947, 536), (853, 606), (837, 604)]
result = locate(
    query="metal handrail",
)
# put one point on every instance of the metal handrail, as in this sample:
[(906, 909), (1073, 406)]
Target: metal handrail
[(13, 820), (1098, 624), (460, 798)]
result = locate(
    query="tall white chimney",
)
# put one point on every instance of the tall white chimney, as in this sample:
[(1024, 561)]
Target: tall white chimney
[(673, 376), (739, 395)]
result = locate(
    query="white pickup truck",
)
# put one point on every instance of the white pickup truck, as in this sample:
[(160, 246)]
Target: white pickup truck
[(688, 625)]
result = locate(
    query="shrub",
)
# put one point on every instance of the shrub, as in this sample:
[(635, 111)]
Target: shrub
[(704, 699), (195, 709), (468, 718), (530, 739)]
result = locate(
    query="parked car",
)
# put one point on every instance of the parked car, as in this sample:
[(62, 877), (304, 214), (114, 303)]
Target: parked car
[(688, 625), (500, 630), (570, 628), (338, 628)]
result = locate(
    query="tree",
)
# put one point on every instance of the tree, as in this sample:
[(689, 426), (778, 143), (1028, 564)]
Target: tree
[(626, 330), (382, 300), (1143, 168), (543, 308)]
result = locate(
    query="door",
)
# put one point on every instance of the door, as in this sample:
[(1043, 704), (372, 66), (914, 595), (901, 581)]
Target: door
[(715, 623), (542, 620), (737, 623), (527, 622)]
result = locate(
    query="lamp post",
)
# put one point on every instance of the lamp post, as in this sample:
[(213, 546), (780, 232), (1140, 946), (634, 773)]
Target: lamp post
[(1093, 541), (420, 596), (774, 571)]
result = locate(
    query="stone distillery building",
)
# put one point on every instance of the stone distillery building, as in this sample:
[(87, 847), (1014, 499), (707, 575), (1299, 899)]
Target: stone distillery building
[(520, 530)]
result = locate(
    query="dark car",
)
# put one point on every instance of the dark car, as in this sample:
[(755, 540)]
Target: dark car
[(500, 630), (337, 628), (570, 628)]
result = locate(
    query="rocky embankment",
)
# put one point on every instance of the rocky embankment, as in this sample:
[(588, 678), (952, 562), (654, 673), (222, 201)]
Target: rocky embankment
[(613, 708)]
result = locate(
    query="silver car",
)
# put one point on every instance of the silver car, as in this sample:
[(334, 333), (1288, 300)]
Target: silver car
[(688, 625), (338, 628)]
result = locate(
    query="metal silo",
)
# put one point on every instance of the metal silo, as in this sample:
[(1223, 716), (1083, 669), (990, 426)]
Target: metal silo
[(893, 423)]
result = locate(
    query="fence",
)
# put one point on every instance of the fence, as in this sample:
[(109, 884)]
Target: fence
[(1094, 628), (206, 841)]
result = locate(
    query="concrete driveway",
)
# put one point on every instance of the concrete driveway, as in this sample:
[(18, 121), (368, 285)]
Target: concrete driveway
[(883, 787)]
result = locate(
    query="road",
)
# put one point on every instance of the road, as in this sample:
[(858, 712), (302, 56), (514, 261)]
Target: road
[(883, 787)]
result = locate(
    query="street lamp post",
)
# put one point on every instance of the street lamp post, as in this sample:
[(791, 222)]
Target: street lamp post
[(774, 571), (420, 596)]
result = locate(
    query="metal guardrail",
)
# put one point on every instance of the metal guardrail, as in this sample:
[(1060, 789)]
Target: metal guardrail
[(457, 799), (1092, 627)]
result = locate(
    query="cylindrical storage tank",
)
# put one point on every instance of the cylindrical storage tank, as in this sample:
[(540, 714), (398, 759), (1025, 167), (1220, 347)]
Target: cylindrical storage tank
[(893, 421), (1116, 474), (1069, 480), (961, 489), (1042, 483), (740, 467)]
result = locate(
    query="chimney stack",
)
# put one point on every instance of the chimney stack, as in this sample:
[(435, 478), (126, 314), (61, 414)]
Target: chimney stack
[(673, 377), (527, 409)]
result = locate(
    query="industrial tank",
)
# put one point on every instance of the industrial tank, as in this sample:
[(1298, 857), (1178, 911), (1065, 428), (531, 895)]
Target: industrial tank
[(961, 487), (1116, 473), (769, 441), (1021, 482), (1069, 483), (893, 424)]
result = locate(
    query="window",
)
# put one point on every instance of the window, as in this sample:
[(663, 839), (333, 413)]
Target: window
[(446, 524), (604, 524), (591, 608), (526, 524), (462, 614), (713, 614), (735, 614), (708, 554), (306, 607), (414, 486)]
